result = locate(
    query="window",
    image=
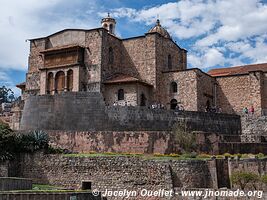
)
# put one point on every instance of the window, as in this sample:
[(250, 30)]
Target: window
[(173, 87), (120, 94), (110, 55), (169, 61), (111, 28)]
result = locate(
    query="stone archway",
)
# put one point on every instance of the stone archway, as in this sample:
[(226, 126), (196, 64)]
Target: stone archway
[(60, 82)]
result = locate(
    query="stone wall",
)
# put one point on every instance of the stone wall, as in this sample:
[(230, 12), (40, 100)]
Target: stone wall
[(86, 111), (132, 94), (250, 165), (186, 93), (8, 184), (145, 142), (48, 196), (3, 169), (205, 90), (254, 129), (116, 172), (239, 91)]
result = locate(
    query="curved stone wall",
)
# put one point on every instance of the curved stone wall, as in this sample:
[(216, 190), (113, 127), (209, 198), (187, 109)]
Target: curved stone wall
[(87, 111)]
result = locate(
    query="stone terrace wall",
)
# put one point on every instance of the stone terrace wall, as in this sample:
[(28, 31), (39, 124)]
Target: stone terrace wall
[(3, 169), (116, 172), (48, 196), (254, 129), (86, 111), (250, 165), (146, 142)]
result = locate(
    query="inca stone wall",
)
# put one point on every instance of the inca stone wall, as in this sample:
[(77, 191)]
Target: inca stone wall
[(86, 111), (3, 169), (116, 172), (145, 142), (48, 196)]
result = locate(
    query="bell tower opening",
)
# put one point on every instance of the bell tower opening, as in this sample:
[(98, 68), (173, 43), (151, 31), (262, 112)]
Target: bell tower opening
[(109, 24)]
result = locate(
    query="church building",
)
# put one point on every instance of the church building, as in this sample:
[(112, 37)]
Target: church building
[(138, 71)]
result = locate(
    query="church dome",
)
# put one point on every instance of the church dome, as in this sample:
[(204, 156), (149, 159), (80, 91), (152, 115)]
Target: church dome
[(159, 29)]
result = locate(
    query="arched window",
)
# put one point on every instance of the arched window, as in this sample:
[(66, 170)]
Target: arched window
[(110, 55), (173, 87), (169, 61), (143, 100), (173, 104), (120, 94), (70, 80), (111, 28), (60, 82), (50, 83)]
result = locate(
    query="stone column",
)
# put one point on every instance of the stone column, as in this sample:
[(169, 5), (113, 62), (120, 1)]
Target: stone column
[(54, 84), (66, 81)]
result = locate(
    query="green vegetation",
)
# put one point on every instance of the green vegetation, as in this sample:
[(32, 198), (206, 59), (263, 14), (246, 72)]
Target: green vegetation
[(264, 179), (186, 140), (159, 156), (12, 143), (243, 179), (39, 187), (6, 95)]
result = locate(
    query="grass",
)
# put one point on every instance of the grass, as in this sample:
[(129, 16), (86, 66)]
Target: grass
[(45, 187), (157, 156)]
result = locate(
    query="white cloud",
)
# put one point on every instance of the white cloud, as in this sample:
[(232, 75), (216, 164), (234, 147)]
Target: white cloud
[(209, 27), (20, 20)]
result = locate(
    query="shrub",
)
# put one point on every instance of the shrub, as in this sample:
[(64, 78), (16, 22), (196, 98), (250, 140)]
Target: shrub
[(190, 155), (260, 155), (12, 144), (7, 142), (32, 141), (174, 155), (227, 155), (186, 140), (264, 179), (159, 155), (203, 155), (242, 179)]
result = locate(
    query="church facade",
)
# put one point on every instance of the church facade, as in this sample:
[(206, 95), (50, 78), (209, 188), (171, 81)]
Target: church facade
[(138, 71)]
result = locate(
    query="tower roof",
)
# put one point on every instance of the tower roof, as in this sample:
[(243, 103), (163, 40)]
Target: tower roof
[(159, 29), (108, 19)]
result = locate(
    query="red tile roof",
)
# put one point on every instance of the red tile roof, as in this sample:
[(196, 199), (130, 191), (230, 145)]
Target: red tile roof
[(238, 70), (21, 85), (123, 78)]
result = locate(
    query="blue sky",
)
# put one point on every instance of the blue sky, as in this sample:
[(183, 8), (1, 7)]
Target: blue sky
[(216, 33)]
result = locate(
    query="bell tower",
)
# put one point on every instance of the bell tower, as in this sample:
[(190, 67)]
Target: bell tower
[(109, 24)]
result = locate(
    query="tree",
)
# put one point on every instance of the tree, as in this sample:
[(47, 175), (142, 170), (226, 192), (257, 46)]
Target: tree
[(186, 140), (7, 142), (6, 95), (242, 179)]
